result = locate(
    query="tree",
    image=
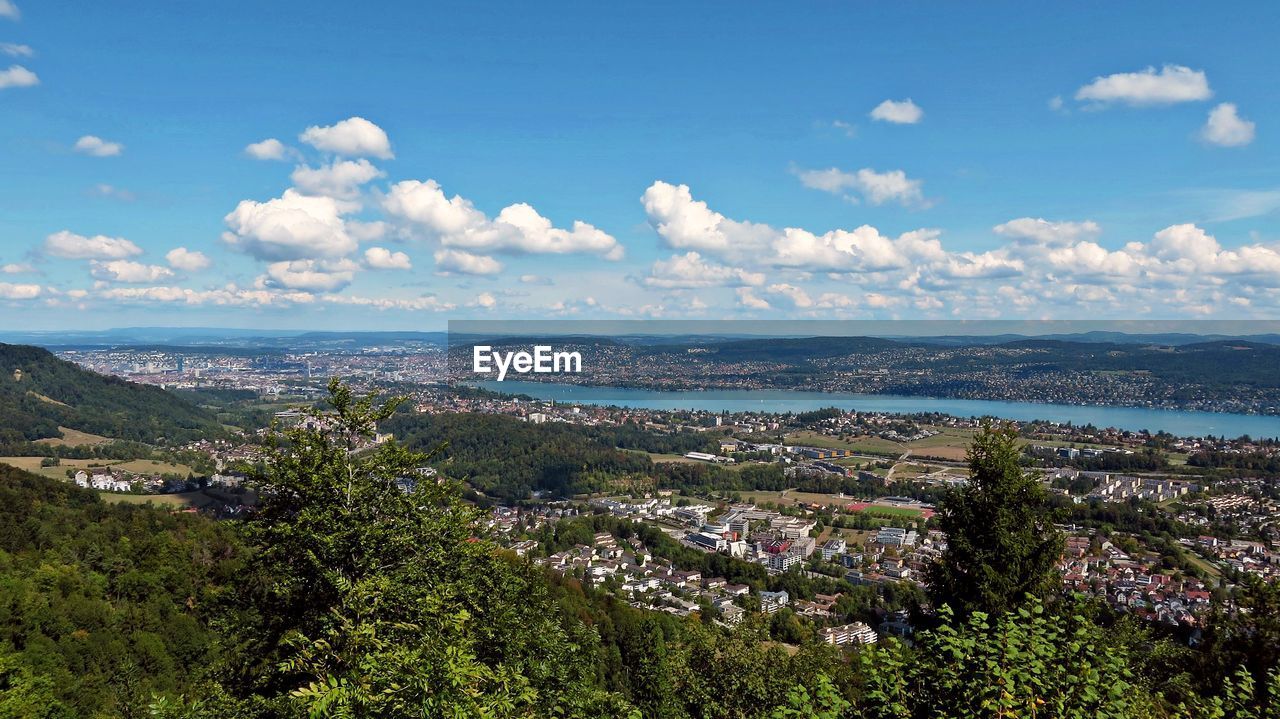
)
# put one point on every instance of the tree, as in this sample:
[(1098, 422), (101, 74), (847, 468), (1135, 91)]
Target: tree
[(1001, 542), (372, 592)]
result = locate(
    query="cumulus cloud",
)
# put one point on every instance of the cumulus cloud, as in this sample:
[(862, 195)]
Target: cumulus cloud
[(13, 49), (71, 246), (268, 149), (1226, 128), (339, 179), (690, 270), (1169, 85), (747, 298), (466, 263), (875, 187), (353, 137), (128, 271), (380, 258), (484, 300), (518, 228), (899, 112), (293, 226), (9, 10), (1045, 232), (309, 275), (95, 146), (10, 291), (17, 268), (798, 297), (18, 76), (686, 223), (180, 258), (230, 295)]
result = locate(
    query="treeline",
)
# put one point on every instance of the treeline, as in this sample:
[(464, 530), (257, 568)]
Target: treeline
[(39, 393), (102, 606), (505, 457), (1251, 462)]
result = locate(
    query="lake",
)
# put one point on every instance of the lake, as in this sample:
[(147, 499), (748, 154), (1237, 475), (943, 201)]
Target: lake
[(1176, 422)]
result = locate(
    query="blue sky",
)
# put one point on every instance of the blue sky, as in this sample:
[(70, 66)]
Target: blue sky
[(1106, 160)]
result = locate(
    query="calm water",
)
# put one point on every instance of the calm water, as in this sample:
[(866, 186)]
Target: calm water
[(1175, 422)]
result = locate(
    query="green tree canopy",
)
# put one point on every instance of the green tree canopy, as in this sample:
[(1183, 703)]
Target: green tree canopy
[(1001, 542)]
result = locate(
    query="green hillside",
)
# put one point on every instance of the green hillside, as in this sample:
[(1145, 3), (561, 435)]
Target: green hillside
[(50, 392)]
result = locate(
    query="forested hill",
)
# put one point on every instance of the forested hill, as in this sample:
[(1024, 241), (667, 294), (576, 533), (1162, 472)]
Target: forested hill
[(51, 392), (101, 605)]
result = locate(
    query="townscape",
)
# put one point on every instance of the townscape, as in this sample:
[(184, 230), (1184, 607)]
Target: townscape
[(865, 527)]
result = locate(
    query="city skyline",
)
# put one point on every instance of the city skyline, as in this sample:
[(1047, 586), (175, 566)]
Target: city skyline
[(209, 167)]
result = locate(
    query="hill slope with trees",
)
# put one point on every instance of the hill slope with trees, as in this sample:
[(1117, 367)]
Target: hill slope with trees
[(39, 393)]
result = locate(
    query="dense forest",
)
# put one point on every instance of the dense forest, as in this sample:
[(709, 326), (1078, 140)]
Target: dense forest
[(102, 605), (39, 393), (504, 457)]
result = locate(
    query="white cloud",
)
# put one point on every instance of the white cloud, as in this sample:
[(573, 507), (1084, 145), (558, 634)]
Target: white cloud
[(1226, 128), (685, 223), (13, 49), (690, 270), (410, 304), (268, 149), (799, 298), (1045, 232), (353, 137), (1169, 85), (180, 258), (9, 291), (484, 300), (748, 299), (291, 227), (10, 10), (970, 265), (899, 112), (466, 263), (339, 179), (536, 280), (99, 247), (380, 258), (17, 76), (518, 228), (876, 187), (18, 268), (97, 147), (309, 275), (128, 271)]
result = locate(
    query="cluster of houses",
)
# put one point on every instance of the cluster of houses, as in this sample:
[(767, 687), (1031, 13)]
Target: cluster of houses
[(1131, 583), (652, 583), (1119, 488), (114, 479), (1242, 556)]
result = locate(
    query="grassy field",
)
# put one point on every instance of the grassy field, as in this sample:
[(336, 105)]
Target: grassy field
[(181, 500), (73, 437), (140, 466), (865, 444), (950, 443), (879, 510), (789, 497), (147, 466)]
